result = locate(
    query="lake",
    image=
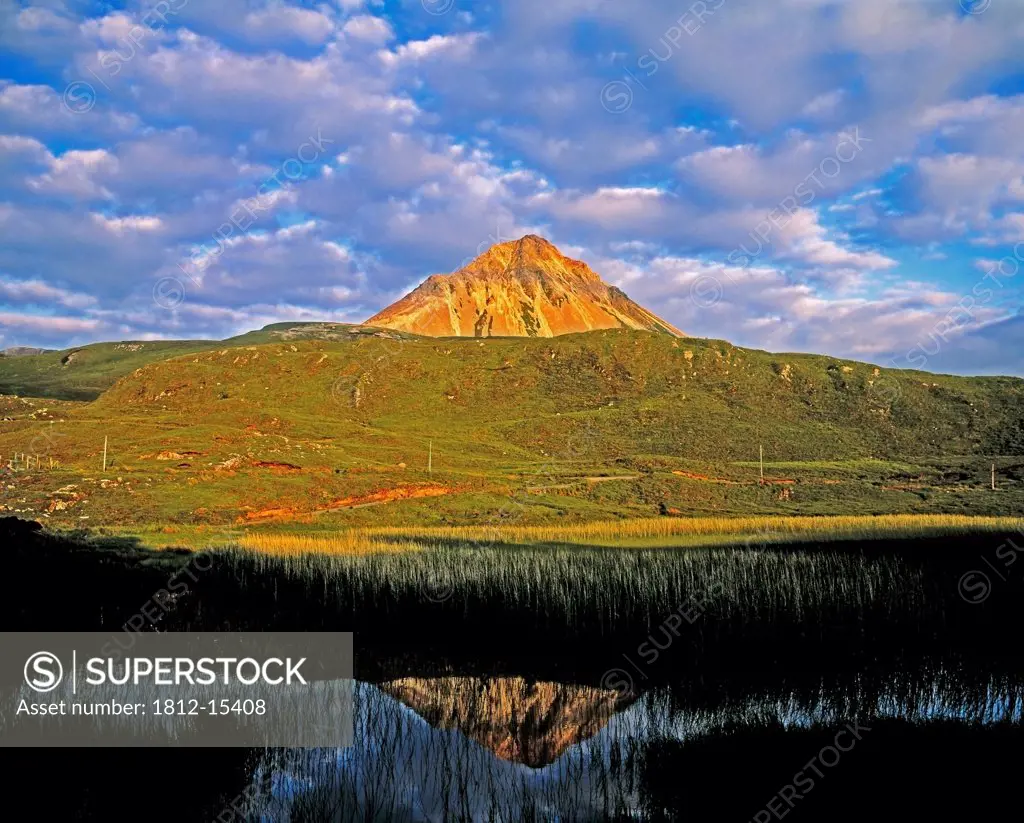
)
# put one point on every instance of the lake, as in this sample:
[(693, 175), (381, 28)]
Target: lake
[(841, 682)]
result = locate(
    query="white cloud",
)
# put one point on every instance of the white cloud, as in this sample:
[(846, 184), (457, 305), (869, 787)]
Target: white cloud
[(270, 24), (765, 307), (48, 326), (40, 110), (969, 185), (804, 238), (29, 147), (801, 166), (607, 206), (449, 46), (40, 293), (825, 105), (77, 173), (369, 29), (131, 223)]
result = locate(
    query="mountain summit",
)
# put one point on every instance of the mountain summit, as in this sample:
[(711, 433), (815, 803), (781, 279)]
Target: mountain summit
[(525, 288)]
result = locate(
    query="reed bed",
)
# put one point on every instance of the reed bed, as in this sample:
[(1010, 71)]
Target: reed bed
[(663, 530), (572, 588), (528, 585)]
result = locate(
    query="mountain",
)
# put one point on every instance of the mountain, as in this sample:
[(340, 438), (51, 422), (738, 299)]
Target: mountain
[(526, 288)]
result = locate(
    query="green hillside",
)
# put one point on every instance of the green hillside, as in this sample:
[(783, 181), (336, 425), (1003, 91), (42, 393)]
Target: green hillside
[(620, 394), (83, 373), (329, 421)]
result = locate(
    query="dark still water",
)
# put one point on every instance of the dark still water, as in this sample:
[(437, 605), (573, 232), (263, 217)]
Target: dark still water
[(839, 682), (508, 749)]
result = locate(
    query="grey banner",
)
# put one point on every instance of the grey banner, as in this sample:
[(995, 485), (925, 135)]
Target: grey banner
[(290, 689)]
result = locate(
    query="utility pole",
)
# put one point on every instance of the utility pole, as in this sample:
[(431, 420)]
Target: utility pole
[(761, 451), (104, 453), (430, 458), (993, 477)]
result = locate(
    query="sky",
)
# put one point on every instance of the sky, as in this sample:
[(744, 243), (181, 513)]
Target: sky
[(834, 176)]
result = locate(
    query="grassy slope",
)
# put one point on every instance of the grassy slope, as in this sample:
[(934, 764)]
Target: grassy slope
[(93, 369), (528, 421), (606, 394)]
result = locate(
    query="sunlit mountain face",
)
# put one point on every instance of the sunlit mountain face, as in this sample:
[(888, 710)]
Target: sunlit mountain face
[(526, 288)]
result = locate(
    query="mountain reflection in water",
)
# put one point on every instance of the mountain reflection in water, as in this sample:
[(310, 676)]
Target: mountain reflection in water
[(529, 723), (455, 748)]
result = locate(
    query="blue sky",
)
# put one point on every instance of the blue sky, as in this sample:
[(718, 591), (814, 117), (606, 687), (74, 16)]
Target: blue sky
[(801, 175)]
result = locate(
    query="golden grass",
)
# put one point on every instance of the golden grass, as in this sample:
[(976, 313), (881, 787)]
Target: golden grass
[(354, 542), (664, 527), (668, 531)]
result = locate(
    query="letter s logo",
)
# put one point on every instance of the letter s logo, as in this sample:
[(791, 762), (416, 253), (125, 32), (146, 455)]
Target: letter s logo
[(43, 672), (617, 97)]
